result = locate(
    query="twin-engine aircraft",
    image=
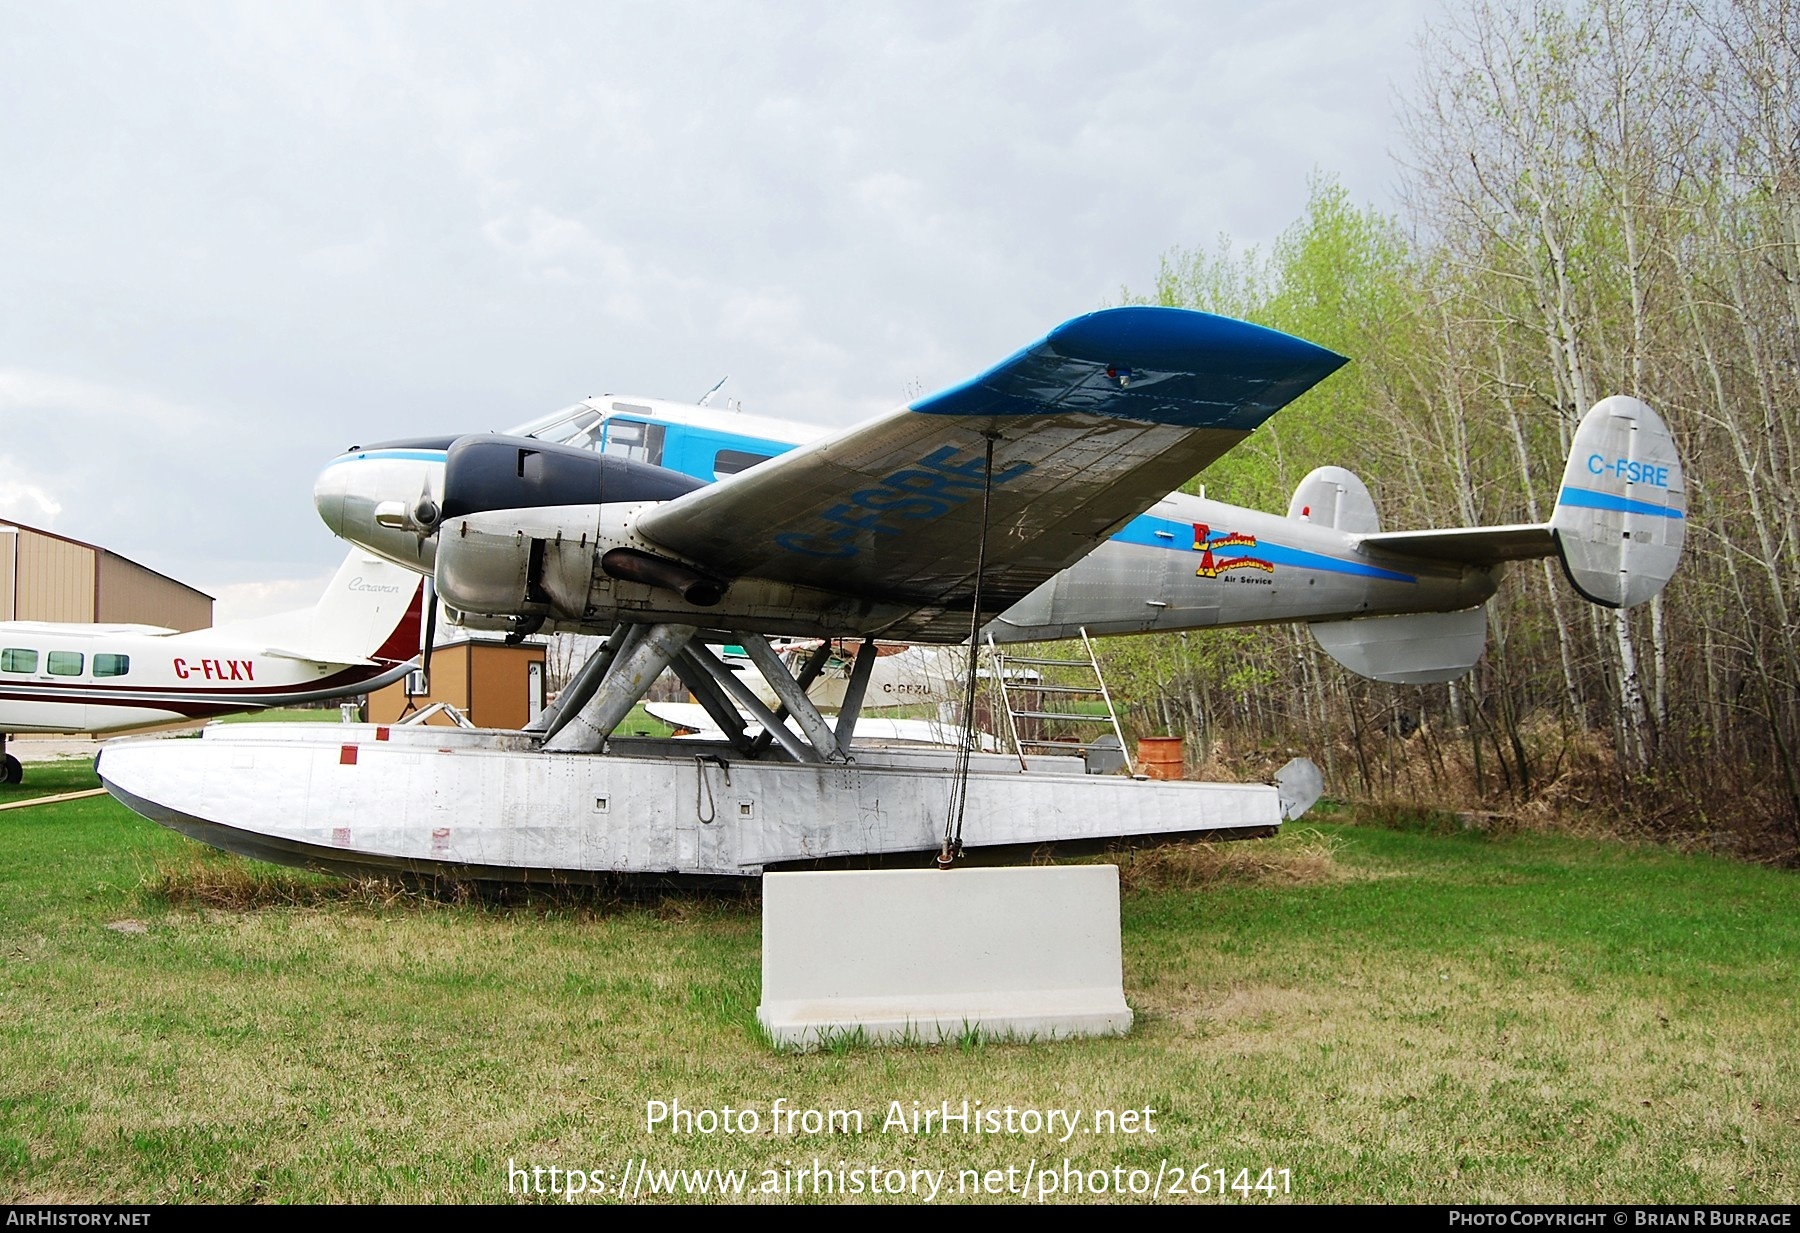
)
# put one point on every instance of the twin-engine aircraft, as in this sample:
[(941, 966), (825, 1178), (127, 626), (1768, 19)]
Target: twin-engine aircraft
[(55, 677), (1030, 502), (1046, 473)]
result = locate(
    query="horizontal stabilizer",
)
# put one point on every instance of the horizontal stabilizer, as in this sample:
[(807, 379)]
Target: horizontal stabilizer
[(275, 652), (1336, 498), (1468, 545), (1415, 648), (1619, 523)]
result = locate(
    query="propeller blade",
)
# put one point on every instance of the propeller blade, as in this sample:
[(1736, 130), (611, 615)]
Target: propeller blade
[(430, 636)]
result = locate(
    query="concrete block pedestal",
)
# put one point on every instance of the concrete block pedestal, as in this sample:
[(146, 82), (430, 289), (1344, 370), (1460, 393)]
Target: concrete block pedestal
[(929, 956)]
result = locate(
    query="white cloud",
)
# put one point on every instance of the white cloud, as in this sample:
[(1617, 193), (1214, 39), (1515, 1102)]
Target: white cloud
[(240, 601), (26, 502), (29, 395), (242, 237), (547, 245), (349, 259)]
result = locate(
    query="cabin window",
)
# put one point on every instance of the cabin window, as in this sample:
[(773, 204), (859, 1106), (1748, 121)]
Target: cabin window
[(18, 659), (112, 665), (730, 462), (65, 663)]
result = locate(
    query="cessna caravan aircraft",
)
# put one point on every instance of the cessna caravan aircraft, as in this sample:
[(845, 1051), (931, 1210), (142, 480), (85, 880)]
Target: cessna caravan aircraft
[(362, 634), (1031, 502)]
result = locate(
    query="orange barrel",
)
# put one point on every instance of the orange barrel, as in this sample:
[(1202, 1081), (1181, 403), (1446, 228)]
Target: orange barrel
[(1159, 757)]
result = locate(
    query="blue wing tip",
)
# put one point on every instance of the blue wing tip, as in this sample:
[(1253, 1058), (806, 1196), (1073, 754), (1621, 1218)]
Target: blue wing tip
[(1157, 337), (1209, 370)]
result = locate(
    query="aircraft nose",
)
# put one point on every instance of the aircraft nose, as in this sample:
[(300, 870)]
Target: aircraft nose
[(328, 497), (369, 496)]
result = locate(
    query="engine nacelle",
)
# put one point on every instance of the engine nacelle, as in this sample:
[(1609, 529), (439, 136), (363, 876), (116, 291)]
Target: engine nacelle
[(582, 567), (521, 562)]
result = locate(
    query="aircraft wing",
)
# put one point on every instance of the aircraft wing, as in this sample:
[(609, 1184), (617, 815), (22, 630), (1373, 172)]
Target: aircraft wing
[(1090, 426)]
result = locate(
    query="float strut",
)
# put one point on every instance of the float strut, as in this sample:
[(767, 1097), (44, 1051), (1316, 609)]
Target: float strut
[(635, 670), (851, 711), (576, 693), (793, 693), (740, 693)]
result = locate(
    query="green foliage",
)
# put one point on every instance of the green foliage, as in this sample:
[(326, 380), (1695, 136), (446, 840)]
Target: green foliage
[(1419, 819), (1340, 277), (1579, 221)]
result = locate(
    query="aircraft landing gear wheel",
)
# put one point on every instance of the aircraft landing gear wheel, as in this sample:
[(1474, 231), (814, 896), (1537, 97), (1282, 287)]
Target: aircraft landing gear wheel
[(10, 770)]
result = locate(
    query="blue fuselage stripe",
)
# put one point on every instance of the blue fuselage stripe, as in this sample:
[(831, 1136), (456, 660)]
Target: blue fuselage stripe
[(1587, 498), (413, 455), (1179, 536)]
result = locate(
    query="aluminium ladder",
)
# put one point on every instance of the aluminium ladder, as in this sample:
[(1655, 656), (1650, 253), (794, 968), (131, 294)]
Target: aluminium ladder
[(1053, 698)]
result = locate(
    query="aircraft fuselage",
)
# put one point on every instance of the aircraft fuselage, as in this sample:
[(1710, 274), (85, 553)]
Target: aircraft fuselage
[(1187, 562), (75, 678)]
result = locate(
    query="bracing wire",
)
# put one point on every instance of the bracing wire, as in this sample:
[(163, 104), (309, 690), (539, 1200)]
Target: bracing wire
[(959, 776)]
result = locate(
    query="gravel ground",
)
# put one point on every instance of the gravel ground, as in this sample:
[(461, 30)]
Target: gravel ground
[(50, 748)]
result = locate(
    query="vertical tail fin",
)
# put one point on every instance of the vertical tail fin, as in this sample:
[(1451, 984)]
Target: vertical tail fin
[(1413, 648), (1337, 498), (1621, 515), (371, 610)]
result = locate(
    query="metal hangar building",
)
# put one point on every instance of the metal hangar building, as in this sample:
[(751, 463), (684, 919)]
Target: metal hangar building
[(50, 577)]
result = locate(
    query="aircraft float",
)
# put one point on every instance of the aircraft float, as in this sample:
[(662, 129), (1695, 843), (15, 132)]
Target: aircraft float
[(70, 677), (1031, 502)]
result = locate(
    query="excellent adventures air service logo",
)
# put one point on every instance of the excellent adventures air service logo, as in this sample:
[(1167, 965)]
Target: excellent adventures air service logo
[(1223, 551)]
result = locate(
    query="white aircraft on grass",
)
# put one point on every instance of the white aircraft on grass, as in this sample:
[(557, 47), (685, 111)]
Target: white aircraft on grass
[(55, 677), (1028, 503)]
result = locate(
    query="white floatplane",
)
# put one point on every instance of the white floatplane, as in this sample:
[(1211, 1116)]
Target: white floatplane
[(57, 677), (1025, 504)]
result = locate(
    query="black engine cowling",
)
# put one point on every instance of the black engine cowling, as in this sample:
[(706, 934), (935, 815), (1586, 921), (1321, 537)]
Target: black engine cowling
[(488, 471)]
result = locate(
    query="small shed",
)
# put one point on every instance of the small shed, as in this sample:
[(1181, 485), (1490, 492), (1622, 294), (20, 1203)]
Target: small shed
[(493, 684)]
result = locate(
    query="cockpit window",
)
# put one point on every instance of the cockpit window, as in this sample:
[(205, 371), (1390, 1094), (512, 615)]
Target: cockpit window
[(577, 425), (112, 665), (584, 427), (18, 659), (579, 432)]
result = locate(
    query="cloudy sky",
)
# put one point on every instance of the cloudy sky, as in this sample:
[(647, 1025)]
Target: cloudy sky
[(236, 239)]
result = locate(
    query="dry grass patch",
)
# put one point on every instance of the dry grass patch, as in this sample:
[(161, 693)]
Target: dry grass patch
[(199, 879), (208, 880), (1302, 858)]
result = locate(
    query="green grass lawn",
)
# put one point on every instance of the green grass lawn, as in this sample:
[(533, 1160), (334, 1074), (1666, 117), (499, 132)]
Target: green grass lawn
[(52, 778), (1390, 1016), (286, 715)]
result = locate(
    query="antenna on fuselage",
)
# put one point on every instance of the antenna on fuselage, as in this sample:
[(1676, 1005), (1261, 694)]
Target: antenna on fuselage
[(707, 397)]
